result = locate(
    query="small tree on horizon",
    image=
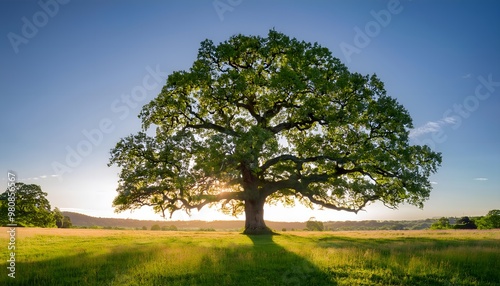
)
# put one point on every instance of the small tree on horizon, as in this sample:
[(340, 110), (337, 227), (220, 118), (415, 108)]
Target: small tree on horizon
[(314, 225), (442, 223), (259, 120)]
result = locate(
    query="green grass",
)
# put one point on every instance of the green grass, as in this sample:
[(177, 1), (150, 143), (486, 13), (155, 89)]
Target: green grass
[(120, 257)]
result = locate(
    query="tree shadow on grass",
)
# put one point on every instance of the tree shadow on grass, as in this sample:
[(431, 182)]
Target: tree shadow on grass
[(262, 263)]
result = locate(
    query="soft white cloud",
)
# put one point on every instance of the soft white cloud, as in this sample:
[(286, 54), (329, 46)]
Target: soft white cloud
[(480, 179), (467, 75), (42, 177), (449, 120), (432, 126), (434, 183)]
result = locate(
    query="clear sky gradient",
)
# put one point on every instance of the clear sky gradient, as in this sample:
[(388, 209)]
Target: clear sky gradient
[(75, 74)]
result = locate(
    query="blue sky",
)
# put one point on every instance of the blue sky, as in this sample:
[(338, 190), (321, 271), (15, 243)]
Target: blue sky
[(74, 75)]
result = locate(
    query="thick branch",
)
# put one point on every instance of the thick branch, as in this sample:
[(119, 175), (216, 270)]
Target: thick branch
[(251, 109), (207, 199), (300, 125), (290, 125), (211, 199)]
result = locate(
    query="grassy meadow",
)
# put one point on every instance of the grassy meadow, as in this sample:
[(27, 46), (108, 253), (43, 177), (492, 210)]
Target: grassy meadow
[(128, 257)]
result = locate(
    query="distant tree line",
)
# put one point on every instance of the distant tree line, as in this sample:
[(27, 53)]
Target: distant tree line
[(314, 225), (490, 221), (28, 205), (378, 225), (164, 228)]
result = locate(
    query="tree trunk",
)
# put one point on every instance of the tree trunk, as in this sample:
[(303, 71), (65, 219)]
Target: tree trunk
[(254, 217)]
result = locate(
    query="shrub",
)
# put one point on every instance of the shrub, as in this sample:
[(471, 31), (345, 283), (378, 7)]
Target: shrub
[(207, 229), (167, 228), (442, 223)]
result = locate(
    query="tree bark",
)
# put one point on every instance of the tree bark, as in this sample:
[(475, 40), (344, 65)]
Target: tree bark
[(254, 217)]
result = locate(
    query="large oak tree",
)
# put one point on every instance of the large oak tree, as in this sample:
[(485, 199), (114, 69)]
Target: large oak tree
[(259, 120)]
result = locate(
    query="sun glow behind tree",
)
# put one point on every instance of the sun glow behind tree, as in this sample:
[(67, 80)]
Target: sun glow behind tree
[(271, 120)]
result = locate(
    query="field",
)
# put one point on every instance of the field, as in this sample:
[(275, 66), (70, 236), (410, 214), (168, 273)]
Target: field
[(127, 257)]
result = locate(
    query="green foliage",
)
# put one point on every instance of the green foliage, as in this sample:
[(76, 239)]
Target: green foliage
[(484, 223), (62, 221), (169, 228), (314, 225), (207, 229), (271, 119), (31, 206), (67, 222), (378, 225), (491, 220), (59, 218), (442, 223), (155, 227), (465, 223)]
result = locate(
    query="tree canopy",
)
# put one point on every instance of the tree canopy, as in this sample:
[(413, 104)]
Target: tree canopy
[(465, 223), (271, 119), (62, 221), (314, 225), (491, 220), (32, 208)]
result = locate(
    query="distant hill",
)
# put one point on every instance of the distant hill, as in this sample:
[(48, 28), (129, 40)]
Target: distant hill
[(88, 221), (81, 220)]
